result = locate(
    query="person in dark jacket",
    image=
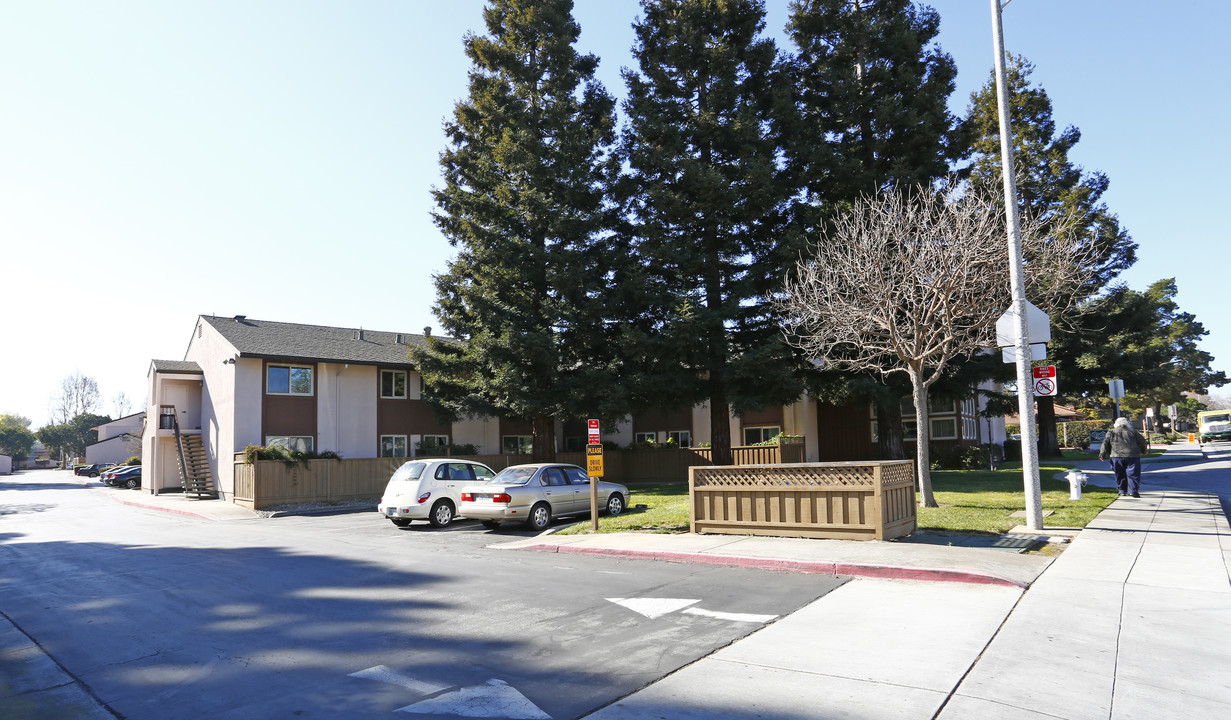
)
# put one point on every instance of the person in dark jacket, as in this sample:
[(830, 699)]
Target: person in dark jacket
[(1124, 446)]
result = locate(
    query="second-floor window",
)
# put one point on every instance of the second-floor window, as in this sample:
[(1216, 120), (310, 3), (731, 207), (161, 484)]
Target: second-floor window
[(288, 380), (393, 383)]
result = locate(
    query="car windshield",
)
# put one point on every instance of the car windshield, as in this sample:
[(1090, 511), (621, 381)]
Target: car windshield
[(409, 471), (513, 476)]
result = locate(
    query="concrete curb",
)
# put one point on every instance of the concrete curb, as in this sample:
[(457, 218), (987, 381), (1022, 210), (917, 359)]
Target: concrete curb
[(820, 567), (161, 508)]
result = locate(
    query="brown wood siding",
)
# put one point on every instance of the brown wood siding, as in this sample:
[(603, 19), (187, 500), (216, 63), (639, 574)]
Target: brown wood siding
[(515, 427), (289, 415), (768, 416), (844, 432), (660, 420), (408, 417)]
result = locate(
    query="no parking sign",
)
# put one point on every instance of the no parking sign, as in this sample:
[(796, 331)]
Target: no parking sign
[(1045, 381)]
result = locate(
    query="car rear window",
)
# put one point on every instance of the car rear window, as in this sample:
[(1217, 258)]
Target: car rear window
[(513, 476), (408, 471)]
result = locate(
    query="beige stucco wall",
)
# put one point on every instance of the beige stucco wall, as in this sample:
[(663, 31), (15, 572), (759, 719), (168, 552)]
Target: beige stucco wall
[(346, 409)]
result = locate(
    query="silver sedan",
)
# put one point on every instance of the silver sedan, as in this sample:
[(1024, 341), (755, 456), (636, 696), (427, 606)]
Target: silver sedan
[(536, 493)]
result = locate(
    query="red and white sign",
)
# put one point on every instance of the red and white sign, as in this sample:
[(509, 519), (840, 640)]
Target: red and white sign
[(1045, 387), (1048, 371), (593, 438)]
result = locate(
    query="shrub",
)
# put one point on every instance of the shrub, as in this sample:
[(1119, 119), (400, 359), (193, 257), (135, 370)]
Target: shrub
[(963, 457), (448, 450), (1012, 449), (288, 457), (1160, 438), (134, 460)]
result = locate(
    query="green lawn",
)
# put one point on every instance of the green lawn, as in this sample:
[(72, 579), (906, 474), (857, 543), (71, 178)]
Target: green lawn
[(971, 501)]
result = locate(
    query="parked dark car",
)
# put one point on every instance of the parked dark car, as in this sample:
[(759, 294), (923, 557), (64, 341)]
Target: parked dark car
[(93, 470), (128, 476)]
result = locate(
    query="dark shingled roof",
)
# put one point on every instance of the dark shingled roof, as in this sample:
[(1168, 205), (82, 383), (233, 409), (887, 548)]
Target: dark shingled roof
[(177, 366), (317, 343)]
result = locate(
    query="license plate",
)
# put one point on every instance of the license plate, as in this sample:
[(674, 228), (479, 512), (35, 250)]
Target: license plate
[(391, 511)]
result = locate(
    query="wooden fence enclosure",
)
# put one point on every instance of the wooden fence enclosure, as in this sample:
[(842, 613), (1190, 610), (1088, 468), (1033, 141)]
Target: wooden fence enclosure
[(270, 482), (872, 500)]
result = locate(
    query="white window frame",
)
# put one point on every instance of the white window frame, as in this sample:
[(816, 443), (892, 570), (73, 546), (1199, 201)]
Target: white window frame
[(776, 430), (682, 438), (952, 435), (290, 382), (525, 444), (442, 441), (286, 441), (405, 447), (645, 438), (405, 384)]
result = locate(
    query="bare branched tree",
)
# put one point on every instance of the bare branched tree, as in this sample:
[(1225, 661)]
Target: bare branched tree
[(78, 395), (120, 403), (910, 281)]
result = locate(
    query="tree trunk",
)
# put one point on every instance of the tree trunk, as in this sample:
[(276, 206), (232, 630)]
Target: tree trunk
[(923, 462), (1045, 418), (889, 430), (544, 447), (720, 424)]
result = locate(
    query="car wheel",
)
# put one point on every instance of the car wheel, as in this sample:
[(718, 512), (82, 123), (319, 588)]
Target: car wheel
[(133, 483), (93, 474), (615, 504), (442, 514), (540, 516), (400, 522), (490, 524)]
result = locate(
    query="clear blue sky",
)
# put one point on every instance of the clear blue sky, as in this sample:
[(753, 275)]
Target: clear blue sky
[(160, 160)]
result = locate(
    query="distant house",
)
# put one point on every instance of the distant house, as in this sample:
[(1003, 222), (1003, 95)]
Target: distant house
[(118, 440), (354, 391)]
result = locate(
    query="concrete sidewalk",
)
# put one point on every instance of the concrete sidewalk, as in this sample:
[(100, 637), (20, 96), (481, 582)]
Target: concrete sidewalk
[(1132, 620)]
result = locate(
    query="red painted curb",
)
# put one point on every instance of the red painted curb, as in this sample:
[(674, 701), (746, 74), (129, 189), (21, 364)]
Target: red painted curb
[(160, 508), (892, 572)]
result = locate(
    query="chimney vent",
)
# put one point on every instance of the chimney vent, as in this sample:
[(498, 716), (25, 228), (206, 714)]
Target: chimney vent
[(240, 318)]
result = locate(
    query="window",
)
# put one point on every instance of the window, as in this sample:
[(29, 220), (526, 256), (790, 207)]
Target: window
[(393, 446), (578, 476), (554, 477), (299, 443), (944, 429), (393, 383), (758, 435), (645, 438), (517, 444), (682, 438), (573, 444), (433, 443), (908, 431), (288, 380), (462, 471)]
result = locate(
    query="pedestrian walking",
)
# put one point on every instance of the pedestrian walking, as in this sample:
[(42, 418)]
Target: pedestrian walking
[(1124, 446)]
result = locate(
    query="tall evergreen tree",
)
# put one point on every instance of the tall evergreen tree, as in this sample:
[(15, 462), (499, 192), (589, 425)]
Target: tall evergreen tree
[(708, 201), (1049, 186), (524, 201), (872, 94)]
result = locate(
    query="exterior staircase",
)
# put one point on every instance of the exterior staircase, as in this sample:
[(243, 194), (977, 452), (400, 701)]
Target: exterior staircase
[(194, 461)]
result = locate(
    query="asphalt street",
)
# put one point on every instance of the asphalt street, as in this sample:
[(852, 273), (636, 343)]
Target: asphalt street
[(166, 616)]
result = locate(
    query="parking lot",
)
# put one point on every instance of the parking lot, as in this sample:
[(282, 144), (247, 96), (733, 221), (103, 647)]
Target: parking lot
[(164, 615)]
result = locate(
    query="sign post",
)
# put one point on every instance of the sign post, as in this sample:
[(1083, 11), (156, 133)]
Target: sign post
[(594, 467), (1115, 388)]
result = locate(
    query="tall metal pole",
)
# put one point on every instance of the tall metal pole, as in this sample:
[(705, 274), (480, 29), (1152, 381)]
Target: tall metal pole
[(1025, 391)]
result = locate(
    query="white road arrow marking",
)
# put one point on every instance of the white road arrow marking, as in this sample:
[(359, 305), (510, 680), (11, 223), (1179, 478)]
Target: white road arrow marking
[(381, 673), (653, 607), (494, 699), (735, 617)]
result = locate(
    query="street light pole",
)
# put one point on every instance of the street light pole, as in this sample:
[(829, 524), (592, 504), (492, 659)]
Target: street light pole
[(1025, 393)]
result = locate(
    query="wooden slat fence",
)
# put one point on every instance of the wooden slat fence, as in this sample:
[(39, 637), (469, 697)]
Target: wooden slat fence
[(872, 500), (271, 482)]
